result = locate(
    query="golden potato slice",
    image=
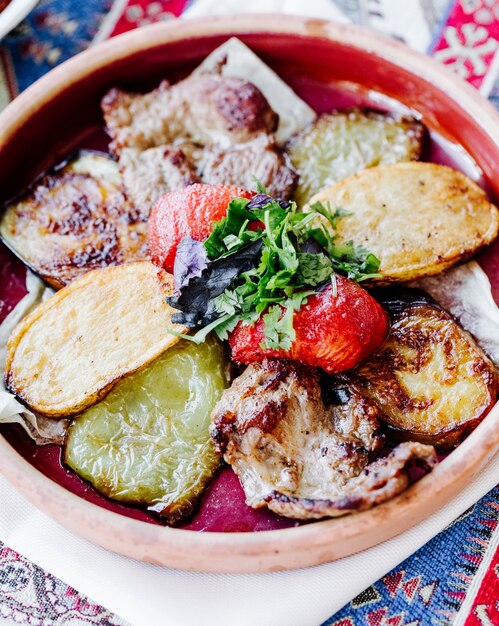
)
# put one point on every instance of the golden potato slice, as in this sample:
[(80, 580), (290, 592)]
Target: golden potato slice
[(147, 442), (70, 351), (75, 219), (417, 218), (430, 379), (342, 143)]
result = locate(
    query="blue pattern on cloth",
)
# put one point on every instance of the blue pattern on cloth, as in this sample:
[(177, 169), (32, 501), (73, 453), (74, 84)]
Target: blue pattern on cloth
[(425, 590), (53, 32), (428, 588)]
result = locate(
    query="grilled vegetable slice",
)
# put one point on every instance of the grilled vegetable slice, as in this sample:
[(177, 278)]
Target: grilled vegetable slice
[(430, 379), (342, 143), (147, 442), (417, 218), (75, 219), (70, 351)]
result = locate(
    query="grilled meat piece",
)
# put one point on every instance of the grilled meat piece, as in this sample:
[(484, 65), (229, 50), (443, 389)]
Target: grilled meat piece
[(149, 174), (203, 108), (218, 128), (307, 451), (239, 165)]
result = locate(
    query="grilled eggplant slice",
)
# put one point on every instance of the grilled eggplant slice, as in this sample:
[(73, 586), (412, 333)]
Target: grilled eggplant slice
[(430, 380), (342, 143), (75, 219), (74, 347), (147, 442), (417, 218)]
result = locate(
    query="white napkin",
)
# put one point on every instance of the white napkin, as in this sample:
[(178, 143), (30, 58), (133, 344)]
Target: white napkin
[(325, 9), (148, 595)]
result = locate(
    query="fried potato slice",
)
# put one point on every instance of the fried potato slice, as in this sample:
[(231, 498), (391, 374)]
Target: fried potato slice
[(147, 442), (342, 143), (430, 380), (417, 218), (70, 351), (75, 219)]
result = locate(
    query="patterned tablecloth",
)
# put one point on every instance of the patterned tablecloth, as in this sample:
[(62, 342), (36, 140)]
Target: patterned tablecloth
[(454, 579)]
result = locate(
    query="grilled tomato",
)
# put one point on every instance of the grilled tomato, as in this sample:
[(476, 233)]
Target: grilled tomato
[(147, 442), (335, 329), (190, 211)]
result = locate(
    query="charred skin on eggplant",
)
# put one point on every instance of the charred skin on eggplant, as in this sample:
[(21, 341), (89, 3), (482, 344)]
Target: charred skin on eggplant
[(75, 219), (430, 379)]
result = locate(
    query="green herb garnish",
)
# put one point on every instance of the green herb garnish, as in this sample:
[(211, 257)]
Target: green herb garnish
[(289, 254)]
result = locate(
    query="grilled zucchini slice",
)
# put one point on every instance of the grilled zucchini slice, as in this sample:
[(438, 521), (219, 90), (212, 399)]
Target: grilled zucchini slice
[(430, 379), (75, 346), (342, 143), (75, 219), (417, 218), (147, 442)]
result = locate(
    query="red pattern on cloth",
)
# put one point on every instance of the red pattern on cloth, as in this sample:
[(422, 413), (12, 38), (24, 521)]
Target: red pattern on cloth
[(470, 38), (485, 607), (142, 12), (485, 611)]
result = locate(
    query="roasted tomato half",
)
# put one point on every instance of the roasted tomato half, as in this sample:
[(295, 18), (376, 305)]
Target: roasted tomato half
[(190, 211), (335, 331)]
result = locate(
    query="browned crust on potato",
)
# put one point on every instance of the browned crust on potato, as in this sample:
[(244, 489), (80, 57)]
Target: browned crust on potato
[(417, 218)]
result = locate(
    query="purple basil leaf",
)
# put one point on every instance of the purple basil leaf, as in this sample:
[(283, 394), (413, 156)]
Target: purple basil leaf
[(262, 199), (190, 261), (311, 246), (195, 300), (259, 201)]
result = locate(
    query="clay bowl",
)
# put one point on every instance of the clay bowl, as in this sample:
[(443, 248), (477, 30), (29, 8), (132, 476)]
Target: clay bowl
[(62, 109)]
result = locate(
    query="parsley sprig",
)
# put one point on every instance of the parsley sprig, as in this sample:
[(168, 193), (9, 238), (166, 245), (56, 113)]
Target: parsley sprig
[(265, 257)]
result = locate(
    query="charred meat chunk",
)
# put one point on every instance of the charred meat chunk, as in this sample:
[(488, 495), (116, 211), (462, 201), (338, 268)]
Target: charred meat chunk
[(203, 108), (306, 450), (149, 174), (238, 166), (219, 129)]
